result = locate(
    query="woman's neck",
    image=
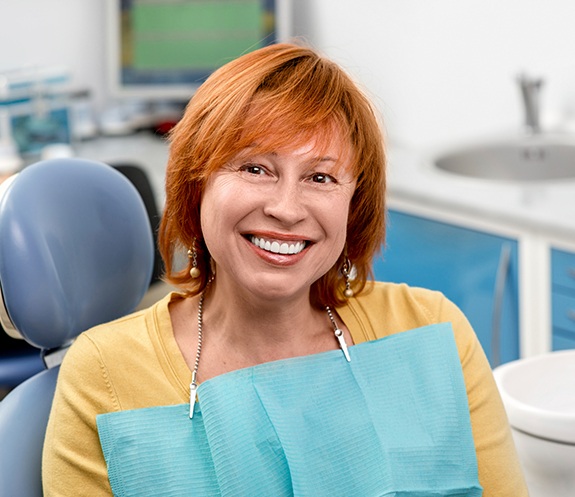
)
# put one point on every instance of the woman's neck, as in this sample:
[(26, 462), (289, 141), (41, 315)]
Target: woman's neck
[(240, 331), (239, 318)]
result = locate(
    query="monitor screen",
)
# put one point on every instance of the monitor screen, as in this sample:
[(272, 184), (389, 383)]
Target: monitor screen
[(164, 49)]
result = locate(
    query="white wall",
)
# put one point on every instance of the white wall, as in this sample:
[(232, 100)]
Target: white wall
[(440, 70), (445, 70), (66, 33)]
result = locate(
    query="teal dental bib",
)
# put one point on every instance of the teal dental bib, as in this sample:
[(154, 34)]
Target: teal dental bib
[(392, 422)]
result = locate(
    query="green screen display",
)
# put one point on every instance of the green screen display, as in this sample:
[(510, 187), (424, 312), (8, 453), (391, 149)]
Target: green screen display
[(183, 41)]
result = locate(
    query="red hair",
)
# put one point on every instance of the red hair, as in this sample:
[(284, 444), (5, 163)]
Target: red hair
[(278, 96)]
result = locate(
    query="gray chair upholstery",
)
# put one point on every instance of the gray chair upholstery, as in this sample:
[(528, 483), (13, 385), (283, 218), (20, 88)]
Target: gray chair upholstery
[(76, 250)]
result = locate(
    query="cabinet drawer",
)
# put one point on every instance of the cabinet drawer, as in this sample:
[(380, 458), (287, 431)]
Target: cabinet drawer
[(563, 307), (563, 269)]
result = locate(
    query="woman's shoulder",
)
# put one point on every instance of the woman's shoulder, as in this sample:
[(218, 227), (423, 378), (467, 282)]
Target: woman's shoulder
[(125, 335), (402, 291), (123, 362), (385, 308), (399, 301), (125, 327)]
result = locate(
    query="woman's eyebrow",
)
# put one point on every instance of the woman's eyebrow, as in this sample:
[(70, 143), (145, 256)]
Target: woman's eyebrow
[(312, 160), (322, 160)]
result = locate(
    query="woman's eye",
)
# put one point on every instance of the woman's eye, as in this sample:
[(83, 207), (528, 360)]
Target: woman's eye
[(254, 169), (322, 178)]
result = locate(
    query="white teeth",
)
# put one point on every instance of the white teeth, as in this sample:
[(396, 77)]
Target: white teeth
[(276, 247)]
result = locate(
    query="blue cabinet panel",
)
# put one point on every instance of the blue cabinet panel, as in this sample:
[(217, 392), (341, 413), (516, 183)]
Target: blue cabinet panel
[(563, 311), (464, 264), (563, 299), (563, 270), (563, 340)]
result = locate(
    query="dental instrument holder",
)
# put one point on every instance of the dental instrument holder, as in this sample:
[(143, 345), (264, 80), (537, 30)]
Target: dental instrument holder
[(530, 93)]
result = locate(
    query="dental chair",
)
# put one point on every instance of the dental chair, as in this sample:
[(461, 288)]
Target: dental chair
[(76, 250)]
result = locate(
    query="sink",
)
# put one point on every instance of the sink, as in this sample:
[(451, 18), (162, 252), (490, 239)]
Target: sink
[(524, 158)]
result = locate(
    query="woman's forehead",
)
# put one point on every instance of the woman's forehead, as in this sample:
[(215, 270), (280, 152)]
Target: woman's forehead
[(319, 143)]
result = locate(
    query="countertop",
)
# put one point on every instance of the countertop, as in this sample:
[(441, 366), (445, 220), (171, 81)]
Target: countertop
[(546, 207)]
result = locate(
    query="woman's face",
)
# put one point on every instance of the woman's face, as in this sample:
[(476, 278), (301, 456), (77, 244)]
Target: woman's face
[(274, 223)]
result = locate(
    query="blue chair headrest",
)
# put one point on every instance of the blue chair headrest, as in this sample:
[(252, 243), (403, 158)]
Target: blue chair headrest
[(76, 249)]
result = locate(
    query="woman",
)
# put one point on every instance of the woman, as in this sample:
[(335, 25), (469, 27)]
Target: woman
[(265, 376)]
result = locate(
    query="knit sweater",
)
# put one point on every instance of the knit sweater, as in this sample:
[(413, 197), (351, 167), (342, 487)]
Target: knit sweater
[(135, 362)]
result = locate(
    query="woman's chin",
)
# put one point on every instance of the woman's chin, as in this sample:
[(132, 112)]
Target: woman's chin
[(279, 293)]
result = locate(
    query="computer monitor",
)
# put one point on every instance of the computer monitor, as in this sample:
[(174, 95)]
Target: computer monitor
[(161, 50)]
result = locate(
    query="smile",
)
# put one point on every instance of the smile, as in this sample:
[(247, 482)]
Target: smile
[(277, 247)]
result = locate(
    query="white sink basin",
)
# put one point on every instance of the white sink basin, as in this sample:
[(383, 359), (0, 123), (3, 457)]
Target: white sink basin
[(539, 395), (527, 158)]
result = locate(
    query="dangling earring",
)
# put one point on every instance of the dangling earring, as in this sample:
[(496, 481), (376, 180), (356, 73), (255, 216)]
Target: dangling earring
[(346, 271), (193, 256)]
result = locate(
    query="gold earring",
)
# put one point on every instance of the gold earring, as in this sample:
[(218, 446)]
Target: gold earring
[(346, 271), (193, 256)]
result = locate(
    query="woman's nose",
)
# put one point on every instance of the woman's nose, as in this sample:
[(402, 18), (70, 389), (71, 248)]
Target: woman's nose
[(285, 203)]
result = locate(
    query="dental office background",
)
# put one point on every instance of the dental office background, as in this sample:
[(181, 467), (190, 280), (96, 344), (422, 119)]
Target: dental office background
[(440, 71)]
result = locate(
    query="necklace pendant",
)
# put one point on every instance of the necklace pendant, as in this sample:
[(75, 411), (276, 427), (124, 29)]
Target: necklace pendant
[(193, 388), (342, 344)]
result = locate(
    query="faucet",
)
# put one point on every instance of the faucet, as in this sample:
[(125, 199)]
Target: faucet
[(530, 93)]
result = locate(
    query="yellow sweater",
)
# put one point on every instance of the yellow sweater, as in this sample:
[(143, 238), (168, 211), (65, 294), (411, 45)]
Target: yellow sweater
[(135, 362)]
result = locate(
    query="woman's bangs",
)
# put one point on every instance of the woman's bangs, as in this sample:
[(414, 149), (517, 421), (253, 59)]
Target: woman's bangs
[(265, 132)]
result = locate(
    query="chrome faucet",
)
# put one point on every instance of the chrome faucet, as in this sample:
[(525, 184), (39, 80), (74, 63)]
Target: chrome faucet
[(530, 93)]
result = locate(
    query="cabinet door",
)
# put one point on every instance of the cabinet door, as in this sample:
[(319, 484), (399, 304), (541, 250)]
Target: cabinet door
[(563, 299), (476, 270)]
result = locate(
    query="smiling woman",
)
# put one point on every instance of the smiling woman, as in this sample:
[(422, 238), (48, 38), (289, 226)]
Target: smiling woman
[(279, 368), (281, 98)]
